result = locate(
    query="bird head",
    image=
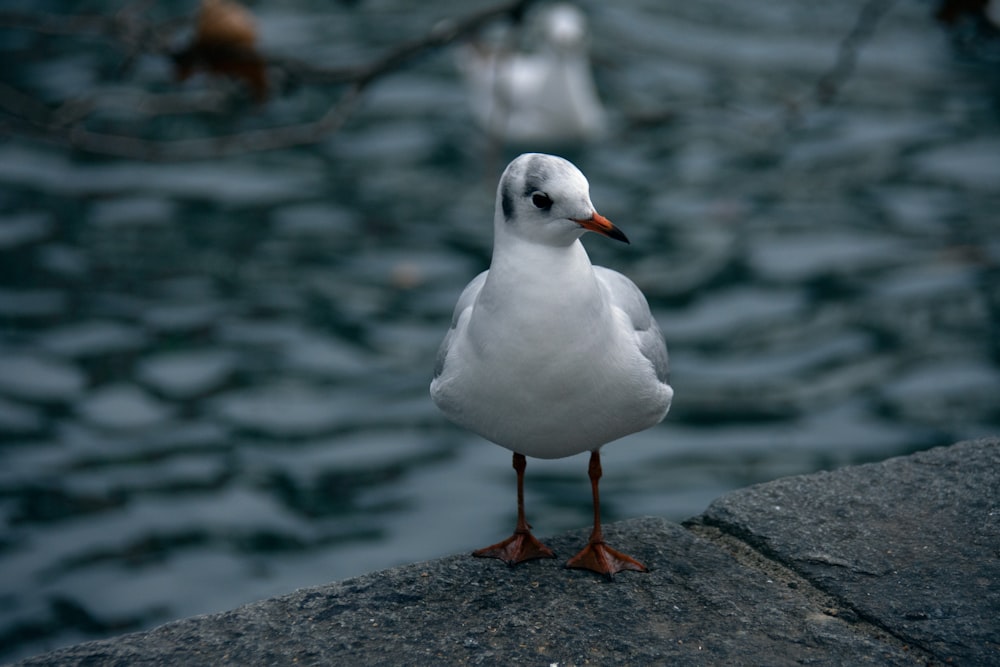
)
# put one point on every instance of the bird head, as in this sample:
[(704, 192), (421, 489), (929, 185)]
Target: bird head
[(546, 199)]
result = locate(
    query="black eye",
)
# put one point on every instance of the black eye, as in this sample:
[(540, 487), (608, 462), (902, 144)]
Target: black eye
[(541, 200)]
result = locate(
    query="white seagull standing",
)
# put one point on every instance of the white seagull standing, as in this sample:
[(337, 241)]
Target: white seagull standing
[(548, 355)]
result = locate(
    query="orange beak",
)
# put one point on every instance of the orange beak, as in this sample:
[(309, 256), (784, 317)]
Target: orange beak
[(598, 223)]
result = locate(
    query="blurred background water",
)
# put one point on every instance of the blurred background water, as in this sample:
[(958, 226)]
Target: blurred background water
[(213, 374)]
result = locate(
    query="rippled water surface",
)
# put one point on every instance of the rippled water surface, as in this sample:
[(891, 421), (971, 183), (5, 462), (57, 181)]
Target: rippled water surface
[(213, 375)]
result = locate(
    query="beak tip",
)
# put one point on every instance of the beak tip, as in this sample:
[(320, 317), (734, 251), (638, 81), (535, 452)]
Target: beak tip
[(619, 235)]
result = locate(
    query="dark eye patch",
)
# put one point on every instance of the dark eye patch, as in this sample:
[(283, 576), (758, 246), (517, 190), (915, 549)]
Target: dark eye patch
[(541, 200)]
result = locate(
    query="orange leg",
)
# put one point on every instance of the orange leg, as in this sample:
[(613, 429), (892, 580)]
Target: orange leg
[(522, 545), (598, 556)]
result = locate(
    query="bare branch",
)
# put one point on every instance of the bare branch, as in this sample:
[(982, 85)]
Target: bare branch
[(65, 124), (197, 149), (443, 33)]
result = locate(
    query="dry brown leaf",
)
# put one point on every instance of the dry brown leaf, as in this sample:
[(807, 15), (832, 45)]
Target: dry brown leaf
[(225, 44)]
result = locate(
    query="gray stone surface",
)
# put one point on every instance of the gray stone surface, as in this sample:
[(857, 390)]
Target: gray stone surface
[(890, 563), (911, 544)]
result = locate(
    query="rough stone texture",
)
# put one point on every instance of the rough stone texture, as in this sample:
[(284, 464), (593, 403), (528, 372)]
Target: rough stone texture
[(911, 544), (890, 563)]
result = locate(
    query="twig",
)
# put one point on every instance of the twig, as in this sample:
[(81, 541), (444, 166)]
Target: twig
[(829, 85)]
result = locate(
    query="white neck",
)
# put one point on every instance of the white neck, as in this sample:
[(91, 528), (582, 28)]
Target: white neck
[(529, 282)]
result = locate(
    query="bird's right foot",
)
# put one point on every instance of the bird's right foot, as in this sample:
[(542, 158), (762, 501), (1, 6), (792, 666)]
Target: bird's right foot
[(517, 548)]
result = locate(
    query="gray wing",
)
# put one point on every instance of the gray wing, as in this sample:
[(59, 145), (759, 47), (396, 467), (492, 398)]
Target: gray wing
[(623, 293), (465, 301)]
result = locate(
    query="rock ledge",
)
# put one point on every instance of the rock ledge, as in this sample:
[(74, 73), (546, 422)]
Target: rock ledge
[(893, 563)]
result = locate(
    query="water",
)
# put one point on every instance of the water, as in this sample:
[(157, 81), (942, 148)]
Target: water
[(213, 375)]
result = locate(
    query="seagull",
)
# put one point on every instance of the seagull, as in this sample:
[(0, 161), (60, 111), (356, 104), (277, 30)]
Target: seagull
[(547, 94), (548, 355)]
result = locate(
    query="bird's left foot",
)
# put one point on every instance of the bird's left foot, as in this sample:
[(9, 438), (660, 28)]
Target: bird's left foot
[(599, 557)]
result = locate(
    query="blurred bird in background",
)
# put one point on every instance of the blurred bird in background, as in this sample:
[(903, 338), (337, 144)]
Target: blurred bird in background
[(544, 93)]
